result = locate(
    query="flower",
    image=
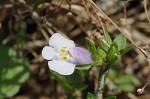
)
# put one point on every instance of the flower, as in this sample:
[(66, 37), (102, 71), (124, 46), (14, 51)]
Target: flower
[(64, 55)]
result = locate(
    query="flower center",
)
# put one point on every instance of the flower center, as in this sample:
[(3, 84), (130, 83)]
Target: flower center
[(64, 49), (64, 56), (64, 53)]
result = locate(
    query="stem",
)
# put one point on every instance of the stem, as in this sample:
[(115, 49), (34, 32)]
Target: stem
[(101, 81)]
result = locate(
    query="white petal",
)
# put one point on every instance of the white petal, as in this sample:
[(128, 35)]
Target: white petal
[(48, 52), (58, 40), (61, 67)]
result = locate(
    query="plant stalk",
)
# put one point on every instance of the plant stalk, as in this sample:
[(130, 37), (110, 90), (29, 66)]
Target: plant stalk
[(101, 81)]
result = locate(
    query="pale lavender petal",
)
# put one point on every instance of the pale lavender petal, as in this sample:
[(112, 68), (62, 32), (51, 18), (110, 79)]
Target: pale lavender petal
[(48, 52), (81, 56), (61, 67), (57, 40)]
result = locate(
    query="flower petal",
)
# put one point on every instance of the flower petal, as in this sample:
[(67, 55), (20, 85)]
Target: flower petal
[(48, 52), (61, 67), (58, 40), (81, 56)]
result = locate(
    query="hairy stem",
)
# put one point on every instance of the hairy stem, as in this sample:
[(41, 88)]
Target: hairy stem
[(101, 81)]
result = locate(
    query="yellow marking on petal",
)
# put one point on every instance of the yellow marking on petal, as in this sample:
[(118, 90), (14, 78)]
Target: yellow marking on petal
[(64, 56), (64, 49)]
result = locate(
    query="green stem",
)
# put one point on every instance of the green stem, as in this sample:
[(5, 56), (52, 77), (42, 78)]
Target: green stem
[(101, 81)]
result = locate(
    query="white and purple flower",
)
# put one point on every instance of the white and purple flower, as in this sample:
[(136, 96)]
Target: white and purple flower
[(64, 56)]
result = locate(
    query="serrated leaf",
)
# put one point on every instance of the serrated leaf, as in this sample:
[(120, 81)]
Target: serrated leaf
[(14, 71), (83, 67), (90, 96), (111, 97), (91, 46), (108, 38), (121, 41)]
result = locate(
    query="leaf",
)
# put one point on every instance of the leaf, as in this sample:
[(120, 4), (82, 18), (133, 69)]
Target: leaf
[(14, 71), (127, 79), (108, 38), (79, 86), (100, 59), (112, 56), (103, 46), (125, 82), (90, 96), (91, 46), (121, 41), (126, 49), (101, 54), (127, 87), (113, 53), (113, 46), (62, 80), (76, 80), (111, 97), (97, 63), (83, 67), (71, 82)]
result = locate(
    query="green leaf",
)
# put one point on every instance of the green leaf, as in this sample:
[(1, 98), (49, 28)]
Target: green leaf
[(101, 54), (127, 79), (13, 71), (121, 41), (113, 46), (113, 53), (103, 46), (62, 80), (91, 47), (100, 59), (108, 38), (76, 80), (90, 96), (111, 97), (127, 87), (126, 49), (83, 67), (112, 56), (71, 82), (9, 90), (125, 82)]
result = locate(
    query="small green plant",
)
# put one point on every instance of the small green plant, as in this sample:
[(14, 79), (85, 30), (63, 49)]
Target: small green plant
[(13, 71), (105, 55), (64, 57)]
